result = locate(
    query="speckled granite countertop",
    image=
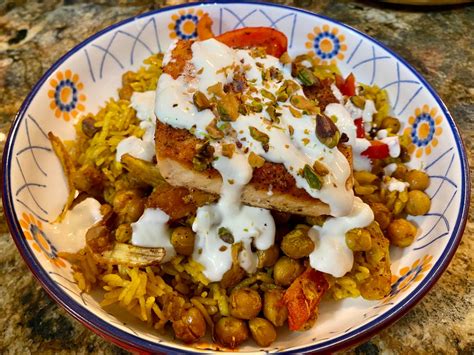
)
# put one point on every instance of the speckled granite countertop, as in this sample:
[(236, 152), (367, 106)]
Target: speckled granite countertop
[(33, 34)]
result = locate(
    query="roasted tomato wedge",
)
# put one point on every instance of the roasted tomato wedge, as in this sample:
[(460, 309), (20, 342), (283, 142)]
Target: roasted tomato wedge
[(274, 42), (302, 298)]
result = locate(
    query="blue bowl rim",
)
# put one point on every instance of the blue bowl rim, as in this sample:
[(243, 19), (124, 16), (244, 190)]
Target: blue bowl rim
[(130, 341)]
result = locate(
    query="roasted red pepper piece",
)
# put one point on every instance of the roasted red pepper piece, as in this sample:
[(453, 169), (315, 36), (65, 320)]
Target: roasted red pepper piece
[(377, 150), (346, 87), (360, 131), (274, 42), (303, 296)]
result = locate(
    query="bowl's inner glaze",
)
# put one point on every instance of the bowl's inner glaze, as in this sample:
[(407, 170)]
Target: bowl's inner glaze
[(92, 73)]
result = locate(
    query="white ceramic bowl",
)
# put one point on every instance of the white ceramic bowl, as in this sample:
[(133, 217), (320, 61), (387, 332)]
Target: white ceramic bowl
[(35, 189)]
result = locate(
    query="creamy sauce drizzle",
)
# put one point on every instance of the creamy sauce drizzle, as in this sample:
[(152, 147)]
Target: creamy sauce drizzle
[(152, 231), (71, 232), (250, 225), (142, 148), (331, 253)]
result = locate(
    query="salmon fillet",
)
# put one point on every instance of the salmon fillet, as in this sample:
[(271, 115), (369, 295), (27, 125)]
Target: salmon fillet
[(271, 186)]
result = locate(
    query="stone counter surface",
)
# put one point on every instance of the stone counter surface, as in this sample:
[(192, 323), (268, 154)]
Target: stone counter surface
[(436, 41)]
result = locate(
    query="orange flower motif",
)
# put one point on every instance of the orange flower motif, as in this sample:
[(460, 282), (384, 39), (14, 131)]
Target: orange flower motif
[(184, 24), (423, 130), (327, 44), (66, 97), (408, 276), (33, 231)]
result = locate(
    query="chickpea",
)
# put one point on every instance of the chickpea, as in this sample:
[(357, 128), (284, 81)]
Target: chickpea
[(390, 123), (273, 307), (231, 332), (418, 180), (182, 239), (191, 326), (268, 257), (358, 239), (297, 244), (418, 203), (382, 214), (263, 332), (286, 270), (129, 205), (245, 303), (401, 232)]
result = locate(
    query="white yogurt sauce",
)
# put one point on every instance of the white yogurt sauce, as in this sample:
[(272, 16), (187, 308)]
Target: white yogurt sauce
[(396, 185), (152, 231), (331, 253), (141, 148), (390, 169), (251, 225), (71, 232), (368, 113)]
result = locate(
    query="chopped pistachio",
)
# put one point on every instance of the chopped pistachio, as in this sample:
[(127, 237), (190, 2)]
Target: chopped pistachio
[(313, 180), (255, 161), (358, 101), (228, 108), (225, 235), (291, 130), (256, 106), (320, 168), (258, 52), (228, 150), (272, 112), (214, 132), (267, 94), (260, 137), (304, 104), (244, 109), (200, 101), (306, 76), (327, 131), (285, 58), (216, 89), (305, 141), (295, 112), (204, 156), (282, 97)]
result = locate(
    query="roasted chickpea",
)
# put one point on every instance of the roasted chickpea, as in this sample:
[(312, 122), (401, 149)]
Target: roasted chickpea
[(382, 214), (245, 303), (273, 307), (286, 270), (418, 180), (191, 326), (129, 205), (401, 232), (418, 203), (268, 257), (263, 332), (182, 239), (358, 239), (297, 244), (231, 332), (390, 123)]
